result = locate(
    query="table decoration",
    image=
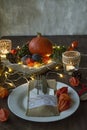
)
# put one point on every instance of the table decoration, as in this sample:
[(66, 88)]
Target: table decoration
[(5, 47), (44, 101), (17, 103), (71, 60), (31, 58), (3, 92), (22, 62), (4, 114)]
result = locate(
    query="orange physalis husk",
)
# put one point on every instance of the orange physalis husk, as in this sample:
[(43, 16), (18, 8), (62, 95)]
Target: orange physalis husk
[(62, 90), (3, 92), (4, 114), (74, 44), (64, 102), (74, 81)]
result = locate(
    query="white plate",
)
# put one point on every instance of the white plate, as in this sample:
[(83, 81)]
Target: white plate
[(17, 102)]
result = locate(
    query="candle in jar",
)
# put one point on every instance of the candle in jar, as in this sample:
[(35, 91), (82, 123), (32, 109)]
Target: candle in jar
[(70, 67), (3, 53), (5, 47)]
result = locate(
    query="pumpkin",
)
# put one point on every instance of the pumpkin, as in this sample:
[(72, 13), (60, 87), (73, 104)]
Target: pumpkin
[(40, 45)]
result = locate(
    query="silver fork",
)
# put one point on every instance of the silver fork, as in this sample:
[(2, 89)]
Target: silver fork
[(39, 84)]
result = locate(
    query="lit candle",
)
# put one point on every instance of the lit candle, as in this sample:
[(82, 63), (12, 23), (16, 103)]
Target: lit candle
[(3, 53), (71, 60), (5, 47), (70, 67), (3, 56)]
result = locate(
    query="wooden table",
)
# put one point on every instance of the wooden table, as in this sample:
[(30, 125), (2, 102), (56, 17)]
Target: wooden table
[(78, 120)]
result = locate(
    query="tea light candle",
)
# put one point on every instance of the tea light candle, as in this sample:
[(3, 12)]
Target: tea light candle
[(3, 53), (70, 67), (5, 47), (71, 60)]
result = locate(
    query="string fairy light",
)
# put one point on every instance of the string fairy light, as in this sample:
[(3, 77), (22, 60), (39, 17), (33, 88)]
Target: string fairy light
[(52, 72)]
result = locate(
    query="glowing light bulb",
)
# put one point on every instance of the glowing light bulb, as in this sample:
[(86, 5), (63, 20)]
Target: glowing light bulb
[(32, 78), (61, 75), (20, 62), (57, 67), (10, 70), (6, 74)]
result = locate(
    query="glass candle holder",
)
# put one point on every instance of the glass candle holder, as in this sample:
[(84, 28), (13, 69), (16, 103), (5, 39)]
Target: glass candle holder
[(71, 60), (5, 47)]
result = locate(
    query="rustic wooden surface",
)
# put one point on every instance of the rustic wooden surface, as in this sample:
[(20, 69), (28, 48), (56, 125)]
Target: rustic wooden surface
[(77, 121)]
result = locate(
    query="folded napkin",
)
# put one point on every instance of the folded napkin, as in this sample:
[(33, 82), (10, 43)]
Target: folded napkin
[(42, 105)]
